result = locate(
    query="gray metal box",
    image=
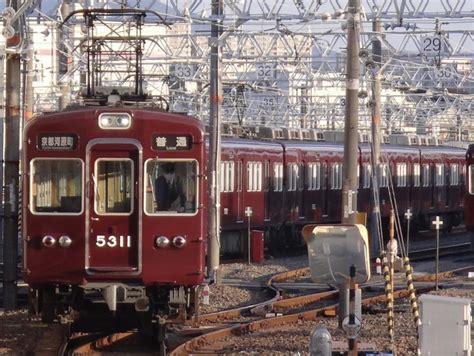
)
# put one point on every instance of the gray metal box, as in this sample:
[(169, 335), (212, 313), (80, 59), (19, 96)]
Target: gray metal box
[(445, 326)]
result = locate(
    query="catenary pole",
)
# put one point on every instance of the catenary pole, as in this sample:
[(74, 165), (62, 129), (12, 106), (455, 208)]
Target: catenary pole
[(349, 186), (11, 157), (351, 148), (376, 104), (214, 141)]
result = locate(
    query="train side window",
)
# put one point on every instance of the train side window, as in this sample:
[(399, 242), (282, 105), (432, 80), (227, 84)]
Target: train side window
[(454, 174), (56, 186), (336, 176), (426, 175), (416, 175), (366, 175), (313, 176), (401, 174), (292, 176), (227, 176), (383, 175), (171, 187), (239, 176), (277, 177), (470, 178), (439, 174), (254, 176), (113, 181)]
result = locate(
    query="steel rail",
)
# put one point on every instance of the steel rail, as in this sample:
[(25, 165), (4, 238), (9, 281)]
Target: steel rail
[(280, 305), (262, 324)]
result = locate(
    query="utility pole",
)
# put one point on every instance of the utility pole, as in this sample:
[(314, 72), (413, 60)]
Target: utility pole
[(215, 142), (376, 104), (11, 157), (349, 186)]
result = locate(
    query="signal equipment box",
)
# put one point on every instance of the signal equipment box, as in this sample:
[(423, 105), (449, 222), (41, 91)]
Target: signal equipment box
[(445, 326)]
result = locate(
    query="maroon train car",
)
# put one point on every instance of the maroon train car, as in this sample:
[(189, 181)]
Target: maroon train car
[(302, 184), (96, 240), (469, 196)]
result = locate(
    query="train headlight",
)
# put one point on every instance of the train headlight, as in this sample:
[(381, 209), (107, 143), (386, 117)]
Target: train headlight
[(65, 241), (115, 120), (48, 241), (179, 241), (162, 241)]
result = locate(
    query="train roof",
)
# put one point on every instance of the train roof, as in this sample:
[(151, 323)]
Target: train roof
[(91, 113), (250, 143)]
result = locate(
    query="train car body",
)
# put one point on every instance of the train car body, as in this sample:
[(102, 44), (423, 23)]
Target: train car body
[(304, 186), (92, 228), (469, 194)]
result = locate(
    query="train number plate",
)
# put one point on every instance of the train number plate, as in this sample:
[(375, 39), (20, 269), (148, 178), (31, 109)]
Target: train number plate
[(113, 241)]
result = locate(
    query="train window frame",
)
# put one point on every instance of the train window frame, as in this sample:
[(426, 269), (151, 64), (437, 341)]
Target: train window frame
[(161, 213), (336, 176), (425, 175), (32, 206), (254, 176), (454, 174), (439, 174), (313, 176), (293, 176), (367, 174), (132, 190), (402, 169), (416, 175), (383, 175), (277, 177), (227, 176)]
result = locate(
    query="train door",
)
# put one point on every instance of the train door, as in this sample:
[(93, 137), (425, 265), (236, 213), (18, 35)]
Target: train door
[(113, 241)]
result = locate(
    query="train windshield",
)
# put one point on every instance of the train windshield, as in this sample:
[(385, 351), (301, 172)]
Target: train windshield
[(171, 187), (56, 186)]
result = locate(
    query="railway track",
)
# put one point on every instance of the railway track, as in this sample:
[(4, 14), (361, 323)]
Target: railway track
[(457, 249), (205, 334)]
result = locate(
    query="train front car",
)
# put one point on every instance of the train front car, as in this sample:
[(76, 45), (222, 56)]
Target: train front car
[(469, 196), (113, 218)]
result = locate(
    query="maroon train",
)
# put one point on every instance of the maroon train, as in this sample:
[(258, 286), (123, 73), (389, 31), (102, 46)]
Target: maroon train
[(289, 183), (98, 250), (469, 198)]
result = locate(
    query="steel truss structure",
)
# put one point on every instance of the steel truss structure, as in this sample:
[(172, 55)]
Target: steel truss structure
[(283, 62)]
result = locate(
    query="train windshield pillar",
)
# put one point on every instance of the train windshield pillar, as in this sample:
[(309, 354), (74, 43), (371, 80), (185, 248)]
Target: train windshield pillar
[(171, 186)]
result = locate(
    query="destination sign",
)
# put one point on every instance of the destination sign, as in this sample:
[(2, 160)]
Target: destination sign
[(172, 142), (57, 142)]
